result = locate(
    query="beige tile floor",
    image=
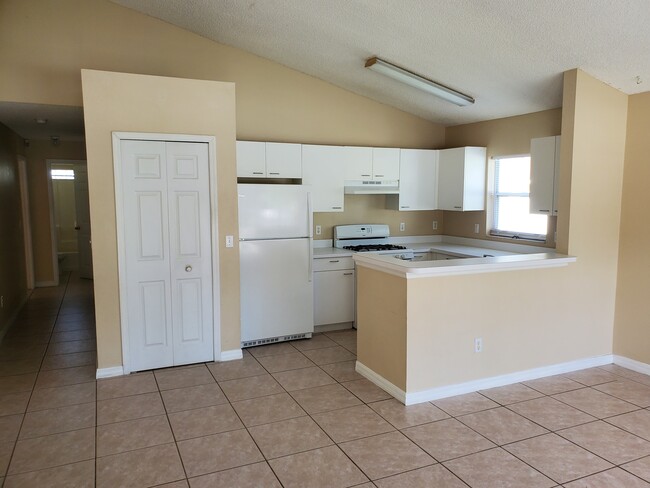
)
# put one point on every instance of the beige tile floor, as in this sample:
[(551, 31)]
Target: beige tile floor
[(295, 415)]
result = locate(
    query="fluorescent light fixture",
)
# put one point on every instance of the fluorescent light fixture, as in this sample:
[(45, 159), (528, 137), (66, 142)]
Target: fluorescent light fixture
[(419, 82)]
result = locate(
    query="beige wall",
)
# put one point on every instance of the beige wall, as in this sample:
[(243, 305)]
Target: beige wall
[(274, 103), (533, 318), (631, 331), (135, 103), (13, 283), (502, 137), (38, 153), (371, 209)]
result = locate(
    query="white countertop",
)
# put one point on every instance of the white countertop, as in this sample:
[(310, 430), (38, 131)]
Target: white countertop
[(331, 252), (423, 269), (471, 252)]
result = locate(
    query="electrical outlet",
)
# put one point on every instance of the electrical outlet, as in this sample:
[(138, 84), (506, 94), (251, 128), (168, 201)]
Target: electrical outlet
[(435, 225), (319, 230), (478, 344), (402, 227), (476, 228), (230, 241)]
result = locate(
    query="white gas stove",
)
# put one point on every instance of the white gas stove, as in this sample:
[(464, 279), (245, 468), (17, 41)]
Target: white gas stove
[(367, 238)]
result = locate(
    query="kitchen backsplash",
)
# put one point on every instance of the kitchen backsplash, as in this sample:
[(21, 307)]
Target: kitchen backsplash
[(371, 209)]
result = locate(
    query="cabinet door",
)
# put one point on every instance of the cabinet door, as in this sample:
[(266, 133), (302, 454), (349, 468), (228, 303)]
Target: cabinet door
[(542, 175), (322, 168), (418, 179), (283, 160), (556, 179), (385, 163), (358, 163), (333, 297), (251, 159), (451, 178)]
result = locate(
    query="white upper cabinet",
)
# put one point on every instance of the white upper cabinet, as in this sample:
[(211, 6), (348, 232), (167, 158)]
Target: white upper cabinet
[(251, 159), (544, 175), (268, 160), (323, 168), (385, 163), (418, 181), (371, 163), (283, 160), (461, 179), (358, 162)]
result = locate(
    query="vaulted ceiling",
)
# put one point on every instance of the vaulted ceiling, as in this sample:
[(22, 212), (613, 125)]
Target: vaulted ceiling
[(507, 54)]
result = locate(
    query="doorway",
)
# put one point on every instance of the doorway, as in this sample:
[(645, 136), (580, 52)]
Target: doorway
[(168, 265), (70, 217)]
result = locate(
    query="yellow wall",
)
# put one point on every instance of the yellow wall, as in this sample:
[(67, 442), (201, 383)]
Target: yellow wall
[(502, 137), (533, 318), (136, 103), (631, 331), (13, 283), (46, 43), (38, 153)]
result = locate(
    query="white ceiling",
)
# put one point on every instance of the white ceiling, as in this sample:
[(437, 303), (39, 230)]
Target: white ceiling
[(66, 123), (508, 54)]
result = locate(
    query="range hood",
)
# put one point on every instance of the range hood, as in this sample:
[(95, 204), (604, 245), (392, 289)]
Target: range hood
[(371, 187)]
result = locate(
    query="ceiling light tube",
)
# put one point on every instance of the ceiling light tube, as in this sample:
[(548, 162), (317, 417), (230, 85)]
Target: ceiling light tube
[(419, 82)]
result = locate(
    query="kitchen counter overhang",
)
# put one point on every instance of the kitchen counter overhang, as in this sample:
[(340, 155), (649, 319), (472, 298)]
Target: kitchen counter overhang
[(423, 269)]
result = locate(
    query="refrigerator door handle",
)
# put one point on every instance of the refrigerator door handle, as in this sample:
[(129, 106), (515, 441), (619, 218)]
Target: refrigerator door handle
[(310, 220)]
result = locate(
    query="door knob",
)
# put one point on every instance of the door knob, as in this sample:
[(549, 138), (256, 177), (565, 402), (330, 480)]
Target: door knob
[(188, 268)]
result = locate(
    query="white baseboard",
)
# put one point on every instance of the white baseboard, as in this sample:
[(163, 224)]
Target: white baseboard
[(381, 382), (231, 355), (484, 383), (632, 364), (43, 284), (109, 372)]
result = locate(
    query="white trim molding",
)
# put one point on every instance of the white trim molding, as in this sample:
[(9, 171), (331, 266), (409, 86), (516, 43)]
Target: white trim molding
[(632, 364), (231, 355), (109, 372), (484, 383)]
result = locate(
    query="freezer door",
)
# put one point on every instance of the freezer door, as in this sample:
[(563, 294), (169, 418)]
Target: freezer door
[(274, 211), (277, 296)]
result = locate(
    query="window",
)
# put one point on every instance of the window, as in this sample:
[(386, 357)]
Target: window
[(62, 174), (511, 213)]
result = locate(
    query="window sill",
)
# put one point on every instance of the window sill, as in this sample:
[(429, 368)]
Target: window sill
[(518, 236)]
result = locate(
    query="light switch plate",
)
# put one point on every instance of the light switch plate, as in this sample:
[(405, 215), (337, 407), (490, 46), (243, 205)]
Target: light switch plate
[(230, 242)]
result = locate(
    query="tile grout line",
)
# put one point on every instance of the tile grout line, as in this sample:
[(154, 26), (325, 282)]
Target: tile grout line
[(13, 451)]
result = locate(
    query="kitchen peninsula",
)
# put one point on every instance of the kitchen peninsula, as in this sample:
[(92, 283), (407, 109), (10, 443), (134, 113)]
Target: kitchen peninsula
[(431, 329)]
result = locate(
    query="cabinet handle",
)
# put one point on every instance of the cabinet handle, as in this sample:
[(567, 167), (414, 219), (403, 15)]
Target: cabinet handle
[(456, 206), (334, 261), (347, 274), (257, 173), (545, 211), (379, 176), (336, 208), (405, 206), (274, 173), (366, 176)]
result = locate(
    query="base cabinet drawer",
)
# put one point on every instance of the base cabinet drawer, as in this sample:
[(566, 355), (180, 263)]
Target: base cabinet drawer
[(333, 296)]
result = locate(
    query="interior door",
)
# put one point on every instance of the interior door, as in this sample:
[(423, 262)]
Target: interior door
[(191, 260), (167, 253), (82, 210)]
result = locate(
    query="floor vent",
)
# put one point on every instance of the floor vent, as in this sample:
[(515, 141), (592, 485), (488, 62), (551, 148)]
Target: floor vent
[(273, 340)]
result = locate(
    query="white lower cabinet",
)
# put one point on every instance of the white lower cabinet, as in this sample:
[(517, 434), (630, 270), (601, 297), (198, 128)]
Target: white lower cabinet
[(333, 290)]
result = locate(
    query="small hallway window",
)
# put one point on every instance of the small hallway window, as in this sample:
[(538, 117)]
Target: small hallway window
[(511, 212)]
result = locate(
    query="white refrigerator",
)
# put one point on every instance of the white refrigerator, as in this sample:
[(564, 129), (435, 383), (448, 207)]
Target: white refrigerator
[(275, 253)]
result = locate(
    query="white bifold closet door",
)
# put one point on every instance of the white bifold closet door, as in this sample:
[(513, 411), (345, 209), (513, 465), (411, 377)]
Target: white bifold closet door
[(168, 258)]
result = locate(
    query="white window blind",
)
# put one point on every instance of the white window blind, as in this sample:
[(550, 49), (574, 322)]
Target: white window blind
[(511, 213)]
